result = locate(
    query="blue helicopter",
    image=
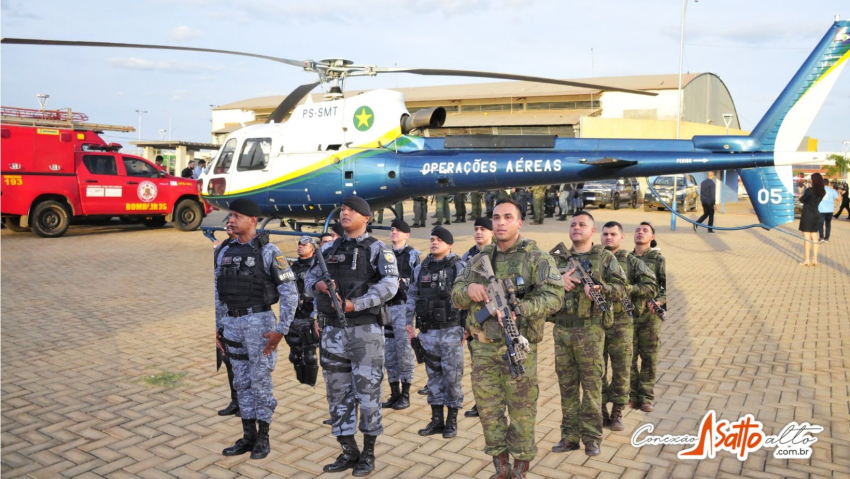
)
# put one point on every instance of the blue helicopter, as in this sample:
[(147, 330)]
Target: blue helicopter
[(309, 156)]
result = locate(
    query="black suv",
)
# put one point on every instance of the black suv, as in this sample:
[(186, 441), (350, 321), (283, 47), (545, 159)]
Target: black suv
[(611, 192)]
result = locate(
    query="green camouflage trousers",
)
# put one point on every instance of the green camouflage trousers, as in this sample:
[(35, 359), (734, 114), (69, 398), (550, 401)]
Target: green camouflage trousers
[(495, 391), (578, 362), (647, 341), (618, 346)]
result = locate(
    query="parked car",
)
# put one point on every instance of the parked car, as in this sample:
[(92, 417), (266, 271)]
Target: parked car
[(611, 192), (687, 193)]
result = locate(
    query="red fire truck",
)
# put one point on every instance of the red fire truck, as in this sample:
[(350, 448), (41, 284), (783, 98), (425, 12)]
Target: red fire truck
[(57, 169)]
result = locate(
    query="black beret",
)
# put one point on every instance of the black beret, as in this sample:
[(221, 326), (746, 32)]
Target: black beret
[(337, 228), (485, 222), (358, 204), (245, 207), (443, 234), (400, 225)]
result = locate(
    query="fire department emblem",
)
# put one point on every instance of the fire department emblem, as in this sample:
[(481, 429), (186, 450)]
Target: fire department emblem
[(147, 191)]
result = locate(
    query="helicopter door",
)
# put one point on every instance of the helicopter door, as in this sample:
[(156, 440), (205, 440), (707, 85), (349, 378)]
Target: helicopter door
[(216, 181), (252, 169)]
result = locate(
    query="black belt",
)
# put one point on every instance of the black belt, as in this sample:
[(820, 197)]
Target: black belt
[(349, 322), (427, 326), (235, 313), (232, 344), (326, 356), (238, 357)]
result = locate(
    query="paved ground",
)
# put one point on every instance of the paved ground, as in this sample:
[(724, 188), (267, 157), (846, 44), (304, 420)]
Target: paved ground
[(88, 317)]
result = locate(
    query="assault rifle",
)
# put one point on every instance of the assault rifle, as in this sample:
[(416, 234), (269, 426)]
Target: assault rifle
[(503, 302), (582, 273), (332, 290), (656, 307)]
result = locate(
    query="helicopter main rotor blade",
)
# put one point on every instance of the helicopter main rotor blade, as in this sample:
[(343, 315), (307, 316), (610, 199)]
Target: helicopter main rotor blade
[(290, 102), (32, 41), (508, 76)]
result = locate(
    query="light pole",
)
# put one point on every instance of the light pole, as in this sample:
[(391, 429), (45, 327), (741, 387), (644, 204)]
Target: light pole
[(169, 123), (140, 112), (679, 111), (162, 133)]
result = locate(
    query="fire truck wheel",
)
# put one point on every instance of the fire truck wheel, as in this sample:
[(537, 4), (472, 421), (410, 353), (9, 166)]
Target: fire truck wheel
[(50, 219), (188, 215), (154, 221), (14, 224)]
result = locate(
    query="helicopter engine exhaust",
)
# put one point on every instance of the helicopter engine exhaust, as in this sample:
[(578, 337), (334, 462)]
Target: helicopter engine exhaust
[(425, 118)]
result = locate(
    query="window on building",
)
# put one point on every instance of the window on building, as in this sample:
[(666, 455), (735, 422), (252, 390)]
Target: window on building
[(255, 154)]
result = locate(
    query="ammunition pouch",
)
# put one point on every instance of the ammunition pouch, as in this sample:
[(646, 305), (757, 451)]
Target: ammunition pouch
[(302, 341), (418, 350)]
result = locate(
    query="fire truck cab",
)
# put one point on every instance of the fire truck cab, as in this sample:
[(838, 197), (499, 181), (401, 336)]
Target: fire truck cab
[(53, 176)]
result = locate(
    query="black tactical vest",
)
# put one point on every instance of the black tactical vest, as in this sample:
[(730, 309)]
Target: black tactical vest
[(305, 303), (350, 265), (404, 272), (434, 304), (243, 281), (472, 252)]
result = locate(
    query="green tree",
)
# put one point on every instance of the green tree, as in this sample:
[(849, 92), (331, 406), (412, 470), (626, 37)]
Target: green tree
[(840, 168)]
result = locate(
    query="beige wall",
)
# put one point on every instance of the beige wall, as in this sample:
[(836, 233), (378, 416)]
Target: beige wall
[(594, 127)]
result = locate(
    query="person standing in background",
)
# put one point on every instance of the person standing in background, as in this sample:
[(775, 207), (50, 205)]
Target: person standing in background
[(826, 208), (707, 191), (809, 218)]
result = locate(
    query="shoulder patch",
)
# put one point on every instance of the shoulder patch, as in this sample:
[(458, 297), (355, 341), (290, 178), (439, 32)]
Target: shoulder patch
[(390, 257)]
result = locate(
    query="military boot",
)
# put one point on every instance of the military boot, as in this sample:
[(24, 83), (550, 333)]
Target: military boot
[(232, 409), (404, 397), (246, 443), (472, 412), (450, 430), (606, 419), (591, 448), (520, 469), (261, 446), (437, 423), (424, 391), (367, 457), (348, 459), (395, 394), (502, 465), (617, 418), (563, 217), (566, 446)]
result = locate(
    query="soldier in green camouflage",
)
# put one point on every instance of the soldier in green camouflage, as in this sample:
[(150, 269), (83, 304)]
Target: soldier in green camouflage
[(540, 289), (579, 335), (647, 338), (539, 198), (640, 285)]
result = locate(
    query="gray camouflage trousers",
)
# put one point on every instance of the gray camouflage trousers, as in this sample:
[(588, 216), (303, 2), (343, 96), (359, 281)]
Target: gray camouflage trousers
[(399, 358), (353, 368), (252, 378), (444, 364)]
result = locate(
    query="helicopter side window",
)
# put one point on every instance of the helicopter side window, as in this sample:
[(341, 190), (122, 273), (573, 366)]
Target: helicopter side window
[(226, 157), (255, 154)]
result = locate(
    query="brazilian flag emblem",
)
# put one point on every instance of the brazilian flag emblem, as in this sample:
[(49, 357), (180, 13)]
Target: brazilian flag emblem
[(364, 118)]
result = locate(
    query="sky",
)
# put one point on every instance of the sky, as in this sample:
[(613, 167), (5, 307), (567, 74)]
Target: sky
[(754, 46)]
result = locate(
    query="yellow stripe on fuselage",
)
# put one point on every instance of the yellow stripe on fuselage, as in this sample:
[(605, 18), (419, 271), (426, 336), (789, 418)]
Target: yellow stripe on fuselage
[(388, 137)]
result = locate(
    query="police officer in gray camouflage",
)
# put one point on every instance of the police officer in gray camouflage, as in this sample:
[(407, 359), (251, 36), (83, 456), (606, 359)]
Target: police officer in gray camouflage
[(365, 273), (399, 357), (251, 276), (441, 331)]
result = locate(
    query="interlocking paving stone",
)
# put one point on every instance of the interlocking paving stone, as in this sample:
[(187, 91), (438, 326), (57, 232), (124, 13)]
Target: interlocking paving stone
[(86, 317)]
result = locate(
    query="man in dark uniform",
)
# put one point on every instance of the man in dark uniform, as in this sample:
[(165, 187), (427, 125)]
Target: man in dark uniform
[(303, 336), (399, 355), (366, 276), (220, 313), (251, 276), (483, 236), (441, 331)]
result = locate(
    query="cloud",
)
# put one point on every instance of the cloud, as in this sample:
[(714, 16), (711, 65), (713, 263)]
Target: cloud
[(180, 94), (169, 66), (183, 33), (11, 11), (757, 33)]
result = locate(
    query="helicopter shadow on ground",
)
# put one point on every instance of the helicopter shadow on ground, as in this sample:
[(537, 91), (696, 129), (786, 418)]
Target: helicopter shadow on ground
[(795, 255)]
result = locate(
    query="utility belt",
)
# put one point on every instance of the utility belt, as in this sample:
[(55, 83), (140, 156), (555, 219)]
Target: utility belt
[(397, 301), (575, 322), (426, 326), (235, 313), (334, 363), (326, 320)]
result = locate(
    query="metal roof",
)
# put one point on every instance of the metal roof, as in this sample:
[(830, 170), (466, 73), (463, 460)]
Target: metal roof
[(517, 118)]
